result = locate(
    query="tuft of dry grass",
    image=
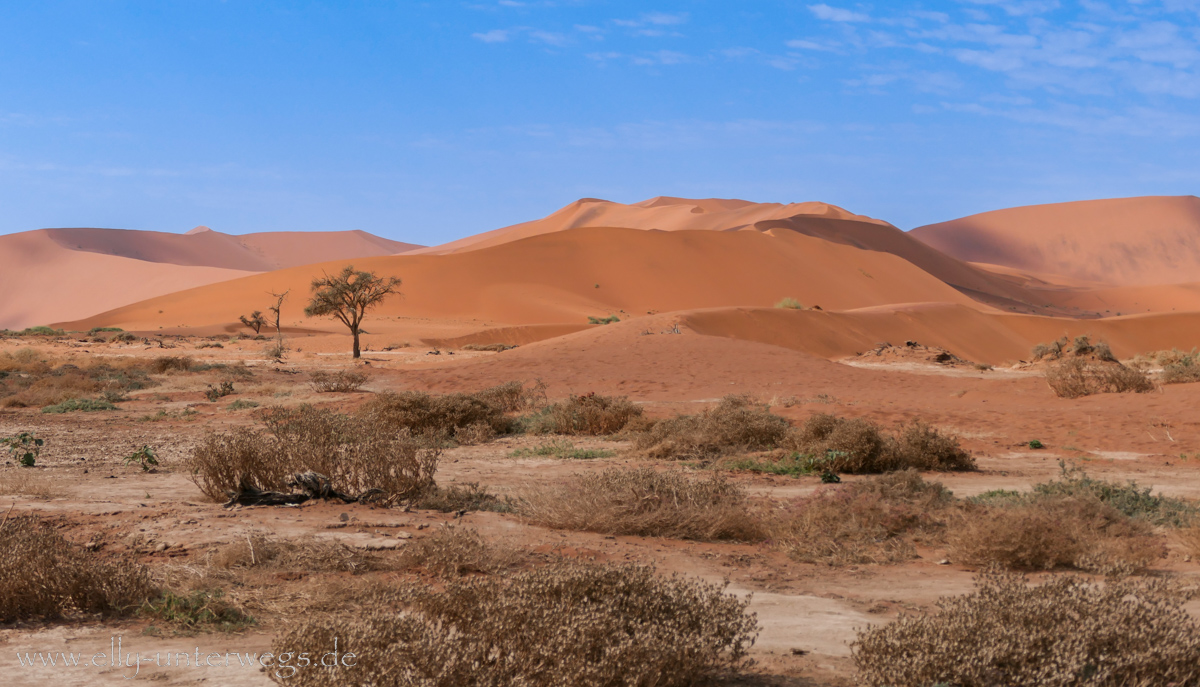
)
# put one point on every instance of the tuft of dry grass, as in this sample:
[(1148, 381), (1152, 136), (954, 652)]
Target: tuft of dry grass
[(355, 455), (341, 381), (1077, 377), (590, 414), (566, 624), (1054, 532), (1183, 371), (737, 423), (258, 551), (467, 496), (33, 483), (454, 551), (1067, 631), (869, 520), (648, 503), (42, 575)]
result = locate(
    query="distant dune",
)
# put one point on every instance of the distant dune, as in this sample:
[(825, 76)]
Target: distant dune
[(51, 275), (1118, 242), (565, 277)]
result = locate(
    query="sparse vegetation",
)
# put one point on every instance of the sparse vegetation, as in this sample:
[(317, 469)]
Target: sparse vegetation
[(790, 304), (216, 392), (1182, 369), (1064, 632), (201, 610), (566, 624), (466, 418), (462, 497), (561, 449), (1076, 377), (23, 448), (255, 321), (737, 423), (646, 502), (857, 446), (144, 457), (42, 575), (84, 405), (342, 381), (492, 347), (871, 520), (611, 319), (241, 404), (355, 455), (589, 414), (257, 551), (453, 551)]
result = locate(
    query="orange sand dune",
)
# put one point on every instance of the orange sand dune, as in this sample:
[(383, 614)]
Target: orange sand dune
[(987, 337), (53, 275), (1118, 242), (565, 277), (662, 213)]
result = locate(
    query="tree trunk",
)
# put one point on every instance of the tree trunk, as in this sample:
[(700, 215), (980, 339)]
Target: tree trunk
[(357, 353)]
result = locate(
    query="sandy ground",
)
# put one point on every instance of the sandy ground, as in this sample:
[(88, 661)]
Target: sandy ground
[(808, 614)]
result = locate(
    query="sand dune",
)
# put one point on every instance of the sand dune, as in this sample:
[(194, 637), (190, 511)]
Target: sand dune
[(565, 277), (986, 337), (1117, 242), (52, 275), (662, 213)]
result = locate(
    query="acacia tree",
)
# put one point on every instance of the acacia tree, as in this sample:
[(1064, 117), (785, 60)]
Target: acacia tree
[(348, 295), (255, 321)]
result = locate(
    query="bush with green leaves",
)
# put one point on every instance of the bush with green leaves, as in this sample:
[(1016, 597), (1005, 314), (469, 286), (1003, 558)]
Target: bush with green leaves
[(144, 457), (24, 448)]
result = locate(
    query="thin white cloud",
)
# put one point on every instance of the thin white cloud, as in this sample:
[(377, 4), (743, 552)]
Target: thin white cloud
[(493, 36), (838, 14)]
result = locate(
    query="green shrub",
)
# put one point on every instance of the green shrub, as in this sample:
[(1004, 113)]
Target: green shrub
[(611, 319), (790, 304), (86, 405), (562, 449)]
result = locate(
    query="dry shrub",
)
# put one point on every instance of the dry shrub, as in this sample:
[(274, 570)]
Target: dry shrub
[(453, 551), (33, 483), (354, 454), (866, 521), (1189, 539), (440, 416), (737, 423), (257, 551), (467, 496), (1082, 346), (1054, 532), (566, 624), (42, 575), (172, 363), (857, 446), (1128, 498), (342, 381), (1076, 377), (49, 390), (1185, 371), (29, 380), (645, 502), (1065, 632), (590, 414)]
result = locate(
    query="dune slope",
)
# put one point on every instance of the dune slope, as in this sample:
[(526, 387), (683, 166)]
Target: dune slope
[(1116, 242)]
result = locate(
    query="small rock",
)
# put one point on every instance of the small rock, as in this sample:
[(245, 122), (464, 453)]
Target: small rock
[(344, 517), (944, 561), (799, 652), (162, 546)]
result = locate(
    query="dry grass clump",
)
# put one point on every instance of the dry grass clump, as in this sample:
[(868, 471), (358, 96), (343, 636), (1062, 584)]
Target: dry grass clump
[(1052, 533), (737, 423), (453, 551), (1184, 370), (28, 379), (258, 551), (566, 624), (1076, 377), (32, 483), (1081, 346), (1065, 632), (342, 381), (467, 496), (648, 503), (354, 454), (857, 446), (590, 414), (172, 363), (42, 575), (463, 417), (866, 521), (492, 347)]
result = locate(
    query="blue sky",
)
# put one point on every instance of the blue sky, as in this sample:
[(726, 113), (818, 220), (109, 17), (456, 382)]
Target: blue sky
[(428, 121)]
